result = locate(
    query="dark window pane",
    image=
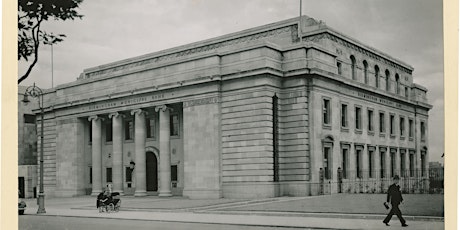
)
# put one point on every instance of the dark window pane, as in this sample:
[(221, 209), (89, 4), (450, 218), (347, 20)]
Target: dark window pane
[(173, 172), (29, 119), (109, 174)]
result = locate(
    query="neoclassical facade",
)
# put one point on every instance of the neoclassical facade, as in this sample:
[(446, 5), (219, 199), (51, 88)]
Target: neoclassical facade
[(289, 108)]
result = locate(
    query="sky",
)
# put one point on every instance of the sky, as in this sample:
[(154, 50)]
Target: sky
[(409, 30)]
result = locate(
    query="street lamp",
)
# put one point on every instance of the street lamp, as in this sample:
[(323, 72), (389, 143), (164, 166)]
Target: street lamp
[(36, 92)]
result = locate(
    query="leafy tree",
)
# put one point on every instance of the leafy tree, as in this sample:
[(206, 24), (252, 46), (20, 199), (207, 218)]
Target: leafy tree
[(31, 15)]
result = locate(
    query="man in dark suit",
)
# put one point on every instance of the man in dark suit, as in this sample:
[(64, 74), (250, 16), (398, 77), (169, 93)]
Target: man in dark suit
[(394, 195)]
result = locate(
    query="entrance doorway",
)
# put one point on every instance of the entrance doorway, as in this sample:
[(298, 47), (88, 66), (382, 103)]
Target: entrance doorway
[(152, 171)]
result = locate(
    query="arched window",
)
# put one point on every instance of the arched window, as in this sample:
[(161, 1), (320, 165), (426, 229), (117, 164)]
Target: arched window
[(397, 84), (377, 78), (366, 79), (387, 80), (353, 67)]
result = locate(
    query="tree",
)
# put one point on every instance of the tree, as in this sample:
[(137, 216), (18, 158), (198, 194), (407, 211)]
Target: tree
[(31, 15)]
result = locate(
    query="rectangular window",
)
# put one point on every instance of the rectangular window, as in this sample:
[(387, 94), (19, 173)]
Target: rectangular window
[(403, 164), (339, 68), (406, 92), (344, 163), (108, 131), (90, 132), (422, 131), (129, 175), (382, 122), (174, 124), (344, 115), (371, 164), (392, 124), (422, 161), (358, 118), (129, 129), (359, 164), (392, 164), (29, 119), (150, 125), (326, 162), (108, 175), (370, 120), (173, 172), (382, 165), (326, 112), (411, 164), (411, 128), (90, 175), (402, 126)]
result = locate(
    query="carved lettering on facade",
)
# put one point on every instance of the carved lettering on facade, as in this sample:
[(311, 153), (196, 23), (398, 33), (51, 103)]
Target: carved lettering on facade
[(203, 101), (125, 102)]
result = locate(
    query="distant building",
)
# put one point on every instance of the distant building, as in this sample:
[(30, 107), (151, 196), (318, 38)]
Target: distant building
[(436, 169), (263, 112), (27, 146)]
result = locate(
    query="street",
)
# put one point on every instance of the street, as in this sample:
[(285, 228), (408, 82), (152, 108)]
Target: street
[(34, 222)]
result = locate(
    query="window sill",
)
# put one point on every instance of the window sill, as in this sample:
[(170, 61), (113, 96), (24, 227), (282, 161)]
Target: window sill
[(402, 138), (382, 135), (370, 133), (129, 141), (392, 136), (358, 131), (344, 129), (328, 127), (411, 139)]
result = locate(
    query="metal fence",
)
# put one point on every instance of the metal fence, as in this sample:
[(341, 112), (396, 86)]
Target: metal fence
[(414, 181)]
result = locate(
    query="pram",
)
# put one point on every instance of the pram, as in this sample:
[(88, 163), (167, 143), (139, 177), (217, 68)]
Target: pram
[(109, 203)]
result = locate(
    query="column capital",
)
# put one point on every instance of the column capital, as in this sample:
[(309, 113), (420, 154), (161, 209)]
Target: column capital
[(95, 117), (163, 108), (138, 111), (115, 115)]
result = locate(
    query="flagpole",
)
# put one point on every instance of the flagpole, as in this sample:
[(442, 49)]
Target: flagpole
[(299, 31)]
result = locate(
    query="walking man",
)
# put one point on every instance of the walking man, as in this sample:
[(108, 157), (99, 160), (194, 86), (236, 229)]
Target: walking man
[(394, 195)]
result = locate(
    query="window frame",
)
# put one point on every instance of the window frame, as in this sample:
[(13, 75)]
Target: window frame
[(326, 112), (358, 118), (344, 116)]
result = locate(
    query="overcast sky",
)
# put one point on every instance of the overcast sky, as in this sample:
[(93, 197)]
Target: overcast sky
[(409, 30)]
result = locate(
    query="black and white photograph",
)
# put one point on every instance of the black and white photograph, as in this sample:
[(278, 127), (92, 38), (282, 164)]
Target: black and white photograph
[(241, 114)]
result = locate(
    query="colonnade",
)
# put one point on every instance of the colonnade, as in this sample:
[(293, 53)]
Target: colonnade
[(140, 133)]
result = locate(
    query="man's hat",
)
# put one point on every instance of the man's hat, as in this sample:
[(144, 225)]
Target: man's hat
[(396, 177)]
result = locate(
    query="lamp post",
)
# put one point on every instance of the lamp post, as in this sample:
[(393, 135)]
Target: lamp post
[(36, 92)]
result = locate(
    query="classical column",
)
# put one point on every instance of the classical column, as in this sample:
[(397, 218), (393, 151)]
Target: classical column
[(165, 158), (117, 155), (139, 142), (96, 153)]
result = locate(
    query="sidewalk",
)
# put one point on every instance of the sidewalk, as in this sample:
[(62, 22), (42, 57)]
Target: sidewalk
[(231, 211)]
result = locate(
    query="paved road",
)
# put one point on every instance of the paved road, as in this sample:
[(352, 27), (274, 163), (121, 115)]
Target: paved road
[(33, 222)]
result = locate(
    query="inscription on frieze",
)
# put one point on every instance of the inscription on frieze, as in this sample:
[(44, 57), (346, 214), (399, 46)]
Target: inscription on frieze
[(203, 101), (125, 102)]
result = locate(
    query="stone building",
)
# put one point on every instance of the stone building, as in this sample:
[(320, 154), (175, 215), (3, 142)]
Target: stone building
[(275, 110), (27, 146)]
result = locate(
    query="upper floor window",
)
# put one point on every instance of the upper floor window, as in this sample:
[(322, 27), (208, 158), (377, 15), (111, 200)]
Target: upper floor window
[(422, 131), (366, 77), (108, 131), (339, 68), (326, 111), (344, 116), (377, 78), (150, 125), (402, 126), (392, 124), (353, 67), (397, 84), (370, 120), (174, 124), (129, 129), (382, 122), (358, 123), (411, 128), (387, 80), (406, 92), (29, 119)]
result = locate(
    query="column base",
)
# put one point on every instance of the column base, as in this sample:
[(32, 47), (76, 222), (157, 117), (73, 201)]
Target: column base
[(140, 193), (164, 193)]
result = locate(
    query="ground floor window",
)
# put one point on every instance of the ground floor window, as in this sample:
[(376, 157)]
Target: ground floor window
[(371, 164), (327, 162), (345, 162), (108, 175), (411, 164), (382, 164)]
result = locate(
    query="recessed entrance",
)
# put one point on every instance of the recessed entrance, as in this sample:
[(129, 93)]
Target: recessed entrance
[(152, 171)]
